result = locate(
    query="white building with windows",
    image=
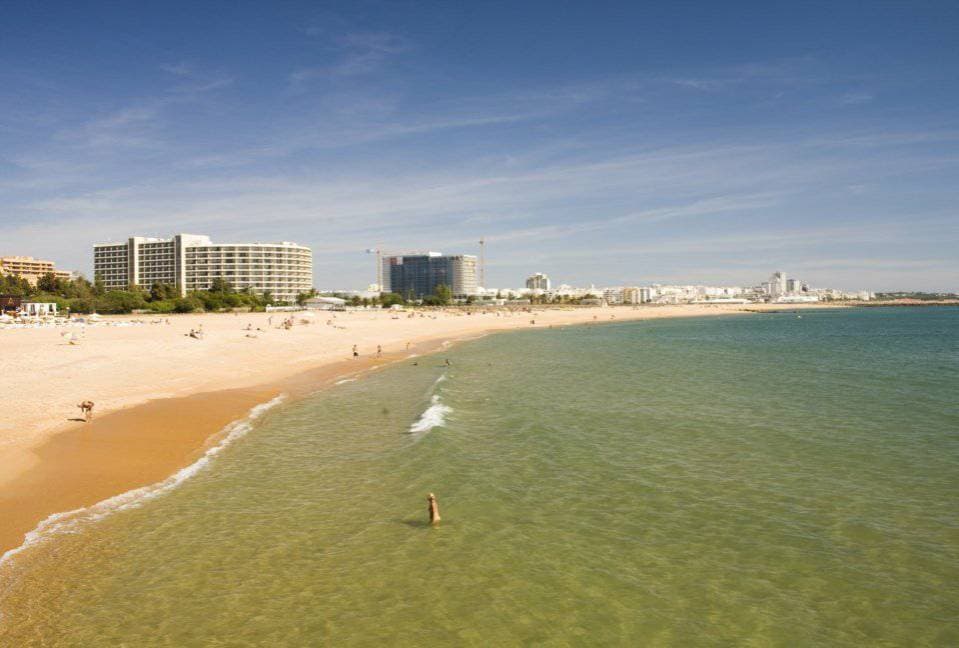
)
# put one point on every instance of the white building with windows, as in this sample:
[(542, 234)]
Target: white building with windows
[(538, 281), (192, 262)]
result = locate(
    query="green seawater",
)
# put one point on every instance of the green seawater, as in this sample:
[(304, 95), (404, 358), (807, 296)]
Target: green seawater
[(759, 480)]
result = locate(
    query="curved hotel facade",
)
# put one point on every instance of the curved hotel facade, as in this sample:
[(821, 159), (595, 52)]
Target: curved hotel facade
[(192, 262)]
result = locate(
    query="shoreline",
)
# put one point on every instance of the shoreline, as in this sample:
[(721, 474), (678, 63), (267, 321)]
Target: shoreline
[(77, 465), (138, 448)]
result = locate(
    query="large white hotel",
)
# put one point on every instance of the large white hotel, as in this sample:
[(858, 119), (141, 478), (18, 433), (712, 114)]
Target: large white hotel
[(192, 262)]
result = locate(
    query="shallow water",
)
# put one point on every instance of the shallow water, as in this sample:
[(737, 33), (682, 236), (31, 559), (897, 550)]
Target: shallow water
[(758, 480)]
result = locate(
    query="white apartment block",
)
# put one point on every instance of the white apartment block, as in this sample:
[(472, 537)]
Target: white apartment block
[(613, 295), (192, 262), (636, 295), (464, 275)]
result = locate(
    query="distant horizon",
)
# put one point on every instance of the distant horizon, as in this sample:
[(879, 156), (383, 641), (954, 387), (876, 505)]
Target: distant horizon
[(689, 144), (520, 283)]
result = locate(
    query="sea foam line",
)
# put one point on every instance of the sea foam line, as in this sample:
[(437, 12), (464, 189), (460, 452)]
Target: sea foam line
[(72, 521), (434, 416), (344, 381)]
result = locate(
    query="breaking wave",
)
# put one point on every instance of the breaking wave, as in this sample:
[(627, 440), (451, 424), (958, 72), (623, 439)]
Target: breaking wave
[(434, 416)]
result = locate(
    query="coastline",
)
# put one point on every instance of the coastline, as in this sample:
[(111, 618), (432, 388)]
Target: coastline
[(151, 430)]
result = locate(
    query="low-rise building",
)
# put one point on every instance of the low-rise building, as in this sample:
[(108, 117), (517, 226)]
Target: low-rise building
[(30, 269), (324, 303)]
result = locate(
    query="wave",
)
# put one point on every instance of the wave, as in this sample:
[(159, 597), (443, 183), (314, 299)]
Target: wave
[(73, 521), (344, 380), (434, 416)]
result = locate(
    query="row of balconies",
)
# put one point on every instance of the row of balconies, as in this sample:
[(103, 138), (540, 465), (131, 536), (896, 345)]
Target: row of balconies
[(282, 252), (257, 259)]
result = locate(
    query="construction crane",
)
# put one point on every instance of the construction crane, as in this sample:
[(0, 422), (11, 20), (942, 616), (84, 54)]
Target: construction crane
[(482, 244)]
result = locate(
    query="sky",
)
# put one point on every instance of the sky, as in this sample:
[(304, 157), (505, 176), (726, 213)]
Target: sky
[(606, 143)]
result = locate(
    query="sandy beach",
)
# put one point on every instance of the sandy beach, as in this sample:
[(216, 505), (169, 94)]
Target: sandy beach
[(162, 396)]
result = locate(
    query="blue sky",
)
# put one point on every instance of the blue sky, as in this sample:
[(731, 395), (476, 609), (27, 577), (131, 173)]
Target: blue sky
[(600, 142)]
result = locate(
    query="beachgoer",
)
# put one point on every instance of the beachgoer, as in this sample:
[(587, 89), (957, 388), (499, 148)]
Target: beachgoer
[(86, 409), (379, 350), (448, 363), (356, 354), (434, 509)]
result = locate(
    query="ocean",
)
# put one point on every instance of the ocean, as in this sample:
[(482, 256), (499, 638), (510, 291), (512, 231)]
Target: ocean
[(775, 479)]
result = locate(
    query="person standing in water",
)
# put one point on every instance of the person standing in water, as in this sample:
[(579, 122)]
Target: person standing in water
[(434, 509)]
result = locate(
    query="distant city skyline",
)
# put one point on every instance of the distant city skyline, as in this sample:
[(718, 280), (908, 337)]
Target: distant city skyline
[(615, 145)]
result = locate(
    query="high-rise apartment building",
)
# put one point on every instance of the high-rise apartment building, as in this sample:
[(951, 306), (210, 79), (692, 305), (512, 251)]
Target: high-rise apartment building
[(777, 284), (30, 269), (795, 286), (418, 275), (636, 295), (192, 262), (538, 281)]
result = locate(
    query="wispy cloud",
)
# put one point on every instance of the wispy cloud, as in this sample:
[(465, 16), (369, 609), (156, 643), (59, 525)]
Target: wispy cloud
[(177, 69), (855, 98), (359, 53)]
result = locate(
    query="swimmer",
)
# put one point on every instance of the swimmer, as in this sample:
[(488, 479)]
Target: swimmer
[(434, 509)]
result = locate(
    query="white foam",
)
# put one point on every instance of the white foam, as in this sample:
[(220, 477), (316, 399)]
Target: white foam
[(73, 521), (434, 416), (345, 380)]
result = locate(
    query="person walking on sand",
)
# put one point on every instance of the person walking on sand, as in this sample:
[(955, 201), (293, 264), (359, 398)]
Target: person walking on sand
[(379, 350), (86, 409), (434, 509), (356, 354)]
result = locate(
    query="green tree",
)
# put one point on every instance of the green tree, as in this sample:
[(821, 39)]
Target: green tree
[(303, 296), (391, 298), (443, 294), (220, 285), (161, 291), (14, 285), (120, 301), (187, 304), (48, 283)]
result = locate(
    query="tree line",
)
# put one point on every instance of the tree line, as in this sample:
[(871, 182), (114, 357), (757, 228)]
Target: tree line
[(83, 296)]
